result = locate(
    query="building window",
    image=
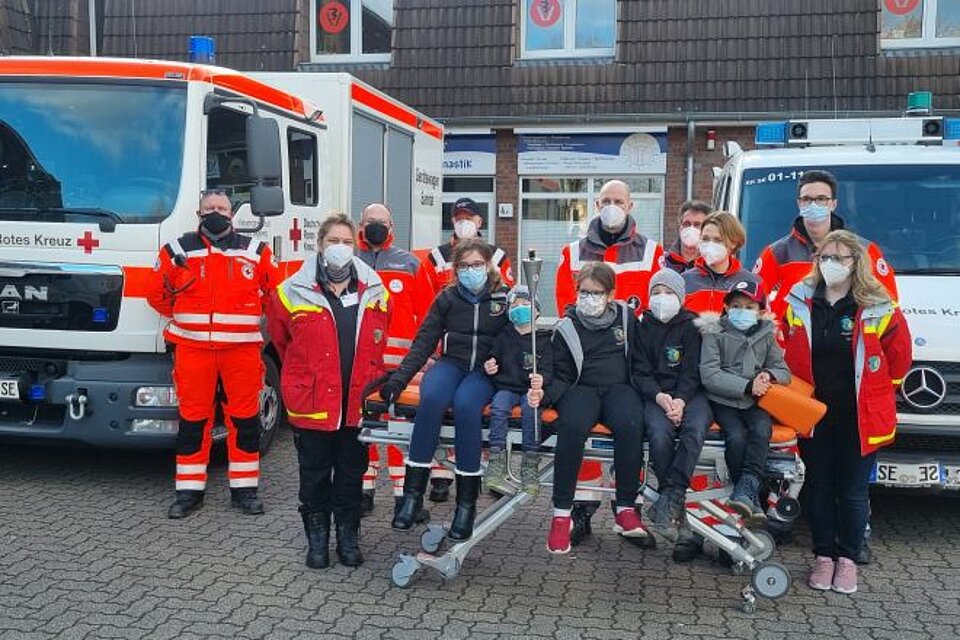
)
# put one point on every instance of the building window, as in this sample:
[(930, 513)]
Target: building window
[(351, 30), (556, 211), (920, 23), (568, 28)]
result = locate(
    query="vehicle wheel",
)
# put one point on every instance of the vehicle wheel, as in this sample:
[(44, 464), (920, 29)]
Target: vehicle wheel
[(432, 538), (767, 547), (271, 405), (788, 508), (771, 580), (404, 571)]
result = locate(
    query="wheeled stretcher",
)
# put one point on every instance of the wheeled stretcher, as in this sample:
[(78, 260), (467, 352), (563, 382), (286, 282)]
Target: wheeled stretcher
[(706, 511)]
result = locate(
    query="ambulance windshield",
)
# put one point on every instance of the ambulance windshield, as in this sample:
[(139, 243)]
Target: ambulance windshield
[(912, 211), (69, 150)]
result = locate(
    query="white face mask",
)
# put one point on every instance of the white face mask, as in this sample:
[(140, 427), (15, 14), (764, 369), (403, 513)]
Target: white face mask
[(337, 255), (664, 306), (689, 236), (834, 273), (591, 305), (612, 217), (465, 228), (713, 252)]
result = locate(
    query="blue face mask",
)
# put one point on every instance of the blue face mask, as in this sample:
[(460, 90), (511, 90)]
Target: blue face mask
[(521, 315), (814, 212), (472, 278), (742, 319)]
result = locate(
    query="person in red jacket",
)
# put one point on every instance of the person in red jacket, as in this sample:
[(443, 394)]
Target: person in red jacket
[(686, 249), (212, 284), (410, 297), (846, 336), (717, 268), (612, 237), (789, 259), (329, 323)]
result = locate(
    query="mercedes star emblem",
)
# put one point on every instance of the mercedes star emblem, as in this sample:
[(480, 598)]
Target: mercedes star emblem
[(924, 388)]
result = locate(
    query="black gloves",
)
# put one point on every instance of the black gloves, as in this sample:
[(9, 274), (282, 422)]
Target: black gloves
[(391, 390)]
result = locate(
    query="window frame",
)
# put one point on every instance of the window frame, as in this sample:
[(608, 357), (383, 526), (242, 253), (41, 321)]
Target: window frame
[(356, 38), (928, 26), (569, 37), (316, 169)]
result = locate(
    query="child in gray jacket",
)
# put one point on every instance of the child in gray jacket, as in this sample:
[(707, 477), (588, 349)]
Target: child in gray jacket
[(740, 359)]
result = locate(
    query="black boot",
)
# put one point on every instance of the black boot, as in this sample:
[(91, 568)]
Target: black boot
[(348, 540), (468, 490), (422, 517), (186, 503), (366, 502), (414, 486), (246, 500), (316, 524), (440, 489)]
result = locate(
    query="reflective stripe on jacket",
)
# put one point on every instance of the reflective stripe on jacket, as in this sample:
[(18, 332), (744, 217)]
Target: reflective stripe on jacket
[(882, 356), (439, 270)]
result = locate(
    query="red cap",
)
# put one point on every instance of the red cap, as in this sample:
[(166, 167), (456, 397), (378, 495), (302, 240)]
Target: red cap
[(750, 289)]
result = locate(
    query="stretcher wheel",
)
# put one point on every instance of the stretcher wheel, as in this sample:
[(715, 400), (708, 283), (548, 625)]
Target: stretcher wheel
[(771, 580), (788, 508), (767, 546), (405, 570), (749, 608), (432, 538)]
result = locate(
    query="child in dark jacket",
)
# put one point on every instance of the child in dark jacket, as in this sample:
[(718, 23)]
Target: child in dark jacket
[(666, 371), (739, 361), (511, 364)]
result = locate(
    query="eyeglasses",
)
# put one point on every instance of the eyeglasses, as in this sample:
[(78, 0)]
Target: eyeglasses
[(821, 200), (829, 257), (472, 265), (595, 296)]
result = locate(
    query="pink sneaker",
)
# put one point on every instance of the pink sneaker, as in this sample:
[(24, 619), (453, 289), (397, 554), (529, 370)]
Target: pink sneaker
[(558, 541), (821, 577), (629, 525), (845, 577)]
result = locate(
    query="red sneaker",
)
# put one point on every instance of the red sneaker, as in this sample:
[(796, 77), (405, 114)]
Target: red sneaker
[(558, 541), (629, 525)]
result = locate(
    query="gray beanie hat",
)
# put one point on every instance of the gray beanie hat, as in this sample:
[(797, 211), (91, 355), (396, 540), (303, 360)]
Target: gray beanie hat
[(520, 291), (671, 280)]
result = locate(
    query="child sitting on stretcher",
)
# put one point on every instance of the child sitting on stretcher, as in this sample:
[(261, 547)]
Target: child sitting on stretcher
[(511, 364), (739, 361)]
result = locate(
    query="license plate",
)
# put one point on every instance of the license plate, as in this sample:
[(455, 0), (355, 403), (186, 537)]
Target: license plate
[(907, 475), (950, 476), (9, 389)]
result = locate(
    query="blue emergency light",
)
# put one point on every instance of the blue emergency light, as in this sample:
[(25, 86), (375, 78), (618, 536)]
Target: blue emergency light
[(202, 49), (100, 315), (37, 392), (951, 128), (771, 133)]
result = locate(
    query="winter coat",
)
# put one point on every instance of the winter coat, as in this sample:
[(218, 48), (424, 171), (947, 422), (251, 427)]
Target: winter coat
[(667, 357)]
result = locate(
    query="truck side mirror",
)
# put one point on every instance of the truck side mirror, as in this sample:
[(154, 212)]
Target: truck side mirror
[(263, 150), (266, 201)]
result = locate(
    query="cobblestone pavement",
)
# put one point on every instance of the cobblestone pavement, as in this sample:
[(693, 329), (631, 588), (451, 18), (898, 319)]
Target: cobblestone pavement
[(87, 552)]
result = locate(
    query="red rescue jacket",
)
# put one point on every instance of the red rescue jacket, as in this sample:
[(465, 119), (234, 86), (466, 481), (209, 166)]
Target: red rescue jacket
[(303, 329), (707, 288), (882, 352)]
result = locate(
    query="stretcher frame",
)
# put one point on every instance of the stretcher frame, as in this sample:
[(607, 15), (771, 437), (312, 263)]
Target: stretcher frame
[(707, 515)]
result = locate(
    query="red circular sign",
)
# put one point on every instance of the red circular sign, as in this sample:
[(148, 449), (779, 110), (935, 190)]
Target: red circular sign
[(545, 13), (901, 7), (334, 17)]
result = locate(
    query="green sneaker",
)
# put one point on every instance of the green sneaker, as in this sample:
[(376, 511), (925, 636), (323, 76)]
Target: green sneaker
[(495, 477)]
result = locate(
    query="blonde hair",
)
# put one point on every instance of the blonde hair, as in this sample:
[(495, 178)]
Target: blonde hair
[(333, 219), (730, 228), (867, 290)]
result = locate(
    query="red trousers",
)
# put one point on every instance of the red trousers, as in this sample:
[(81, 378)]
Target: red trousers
[(196, 372)]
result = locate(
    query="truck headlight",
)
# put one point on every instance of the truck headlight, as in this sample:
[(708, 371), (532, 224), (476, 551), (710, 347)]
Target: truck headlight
[(156, 397)]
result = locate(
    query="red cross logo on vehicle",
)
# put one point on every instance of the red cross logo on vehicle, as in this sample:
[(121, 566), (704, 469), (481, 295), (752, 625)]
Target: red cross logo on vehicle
[(88, 243), (296, 234)]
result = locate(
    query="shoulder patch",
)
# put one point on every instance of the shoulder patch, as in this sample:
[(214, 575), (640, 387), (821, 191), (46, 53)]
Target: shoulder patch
[(882, 267)]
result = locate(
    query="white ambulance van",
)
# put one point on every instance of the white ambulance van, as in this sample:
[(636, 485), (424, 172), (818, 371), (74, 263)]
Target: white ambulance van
[(899, 187), (102, 162)]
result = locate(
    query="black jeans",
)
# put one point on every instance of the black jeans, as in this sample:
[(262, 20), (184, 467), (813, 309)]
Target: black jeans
[(837, 485), (674, 462), (620, 409), (746, 437), (331, 471)]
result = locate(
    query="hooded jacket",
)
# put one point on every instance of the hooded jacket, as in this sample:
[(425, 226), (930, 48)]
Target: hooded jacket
[(667, 357), (633, 257), (730, 359)]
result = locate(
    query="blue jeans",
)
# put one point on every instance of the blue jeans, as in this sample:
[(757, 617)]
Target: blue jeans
[(746, 437), (446, 385), (837, 485), (500, 409), (675, 462)]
